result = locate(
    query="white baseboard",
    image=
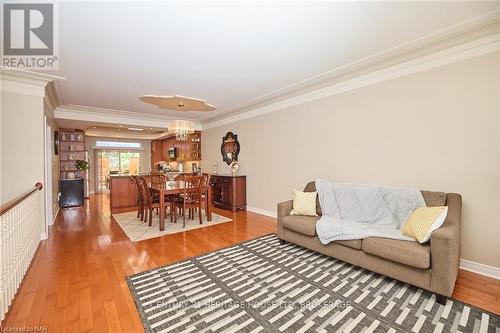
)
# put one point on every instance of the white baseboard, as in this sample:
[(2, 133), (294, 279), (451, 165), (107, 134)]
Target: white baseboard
[(55, 215), (475, 267), (262, 211)]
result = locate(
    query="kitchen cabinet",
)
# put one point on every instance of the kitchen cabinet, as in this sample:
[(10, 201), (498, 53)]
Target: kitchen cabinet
[(165, 146), (189, 150), (229, 192), (156, 152)]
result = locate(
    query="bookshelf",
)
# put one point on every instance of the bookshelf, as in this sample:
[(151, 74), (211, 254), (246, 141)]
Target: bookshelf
[(71, 148)]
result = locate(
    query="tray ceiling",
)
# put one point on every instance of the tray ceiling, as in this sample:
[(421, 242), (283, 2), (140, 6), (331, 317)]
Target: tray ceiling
[(231, 54)]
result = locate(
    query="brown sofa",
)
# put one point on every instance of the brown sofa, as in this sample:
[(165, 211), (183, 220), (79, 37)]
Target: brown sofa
[(432, 266)]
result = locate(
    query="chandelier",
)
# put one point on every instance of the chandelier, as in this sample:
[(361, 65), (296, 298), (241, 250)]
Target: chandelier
[(181, 128)]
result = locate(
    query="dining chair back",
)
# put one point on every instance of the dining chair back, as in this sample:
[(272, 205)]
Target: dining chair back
[(205, 184), (158, 180), (192, 197), (149, 201), (193, 186), (140, 200), (146, 194)]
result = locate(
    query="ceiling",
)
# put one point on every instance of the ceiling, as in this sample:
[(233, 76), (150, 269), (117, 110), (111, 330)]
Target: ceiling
[(228, 54)]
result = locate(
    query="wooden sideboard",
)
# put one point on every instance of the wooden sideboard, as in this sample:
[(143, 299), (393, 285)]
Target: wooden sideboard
[(229, 192)]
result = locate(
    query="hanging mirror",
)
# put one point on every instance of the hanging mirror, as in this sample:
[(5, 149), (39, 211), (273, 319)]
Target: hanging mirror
[(230, 148)]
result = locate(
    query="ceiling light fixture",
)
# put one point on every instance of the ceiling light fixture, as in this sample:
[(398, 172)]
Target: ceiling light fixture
[(135, 129), (181, 128)]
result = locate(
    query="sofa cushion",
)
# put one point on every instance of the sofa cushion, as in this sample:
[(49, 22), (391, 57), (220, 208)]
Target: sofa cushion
[(434, 199), (353, 244), (311, 187), (423, 221), (304, 224), (405, 252), (304, 203)]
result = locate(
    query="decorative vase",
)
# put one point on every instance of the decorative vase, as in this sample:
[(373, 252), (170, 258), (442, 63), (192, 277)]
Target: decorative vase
[(234, 168)]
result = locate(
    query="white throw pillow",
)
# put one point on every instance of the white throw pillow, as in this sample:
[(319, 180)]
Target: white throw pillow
[(304, 203)]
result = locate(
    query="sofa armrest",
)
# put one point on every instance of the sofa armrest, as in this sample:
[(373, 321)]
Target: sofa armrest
[(284, 209), (445, 248)]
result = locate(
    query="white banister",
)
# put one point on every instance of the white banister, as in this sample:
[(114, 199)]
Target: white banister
[(20, 227)]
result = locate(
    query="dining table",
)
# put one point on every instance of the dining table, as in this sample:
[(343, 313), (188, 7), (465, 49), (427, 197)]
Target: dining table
[(167, 188)]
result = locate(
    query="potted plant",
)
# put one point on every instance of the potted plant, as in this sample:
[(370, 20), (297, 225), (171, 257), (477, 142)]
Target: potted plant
[(82, 165)]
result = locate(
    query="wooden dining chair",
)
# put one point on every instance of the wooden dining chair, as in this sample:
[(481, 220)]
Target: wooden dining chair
[(158, 180), (190, 198), (140, 199), (204, 191), (150, 202)]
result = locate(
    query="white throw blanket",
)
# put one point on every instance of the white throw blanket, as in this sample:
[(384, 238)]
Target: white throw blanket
[(357, 211)]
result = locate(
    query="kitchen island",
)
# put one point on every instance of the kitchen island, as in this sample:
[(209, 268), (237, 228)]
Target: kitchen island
[(123, 194)]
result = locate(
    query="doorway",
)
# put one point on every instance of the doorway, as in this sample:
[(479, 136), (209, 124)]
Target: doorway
[(48, 176), (114, 162)]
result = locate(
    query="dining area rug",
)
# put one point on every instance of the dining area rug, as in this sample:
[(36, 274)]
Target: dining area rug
[(137, 230)]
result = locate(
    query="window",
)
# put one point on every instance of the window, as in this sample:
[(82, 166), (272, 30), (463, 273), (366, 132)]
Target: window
[(113, 144), (115, 162)]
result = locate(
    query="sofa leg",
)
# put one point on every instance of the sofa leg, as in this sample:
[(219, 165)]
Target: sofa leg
[(283, 242), (441, 299)]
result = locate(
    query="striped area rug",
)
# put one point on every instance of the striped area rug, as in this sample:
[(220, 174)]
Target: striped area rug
[(262, 286)]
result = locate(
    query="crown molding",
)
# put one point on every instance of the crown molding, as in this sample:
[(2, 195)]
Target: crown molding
[(51, 97), (25, 82), (112, 116), (448, 56), (475, 31)]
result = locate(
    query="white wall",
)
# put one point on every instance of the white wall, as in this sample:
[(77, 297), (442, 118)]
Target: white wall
[(21, 135), (437, 130), (90, 141), (22, 143)]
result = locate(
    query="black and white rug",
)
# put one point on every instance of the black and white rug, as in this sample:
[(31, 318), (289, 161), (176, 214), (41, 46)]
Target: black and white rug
[(262, 286)]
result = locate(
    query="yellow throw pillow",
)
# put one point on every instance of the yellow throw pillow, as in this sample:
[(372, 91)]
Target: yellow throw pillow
[(423, 221), (304, 203)]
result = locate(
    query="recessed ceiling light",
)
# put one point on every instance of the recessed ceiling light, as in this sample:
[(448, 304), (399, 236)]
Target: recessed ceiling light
[(120, 125), (135, 129)]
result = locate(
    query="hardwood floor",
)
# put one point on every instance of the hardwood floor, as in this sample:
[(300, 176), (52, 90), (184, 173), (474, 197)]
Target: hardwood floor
[(76, 281)]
